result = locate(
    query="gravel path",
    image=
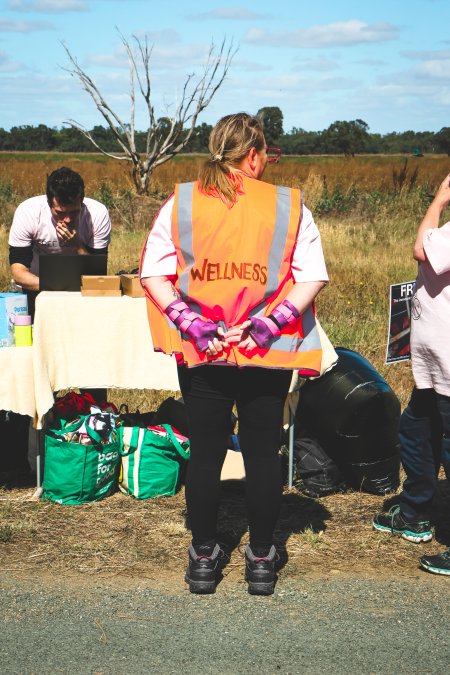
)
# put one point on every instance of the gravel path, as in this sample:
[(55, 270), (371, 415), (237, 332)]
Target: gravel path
[(343, 625)]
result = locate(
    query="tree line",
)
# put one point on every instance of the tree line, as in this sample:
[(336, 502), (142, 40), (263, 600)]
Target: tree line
[(341, 137)]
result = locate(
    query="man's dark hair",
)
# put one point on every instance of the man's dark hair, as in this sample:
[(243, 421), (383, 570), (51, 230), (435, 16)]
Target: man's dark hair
[(66, 185)]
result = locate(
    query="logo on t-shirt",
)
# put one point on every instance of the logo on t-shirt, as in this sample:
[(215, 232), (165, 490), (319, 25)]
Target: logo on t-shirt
[(47, 243)]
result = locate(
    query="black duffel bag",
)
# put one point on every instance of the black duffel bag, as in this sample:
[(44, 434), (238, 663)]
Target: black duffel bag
[(354, 414)]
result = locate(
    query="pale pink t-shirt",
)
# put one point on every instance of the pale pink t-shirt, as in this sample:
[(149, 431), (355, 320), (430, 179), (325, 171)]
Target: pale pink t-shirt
[(160, 258), (33, 225), (430, 314)]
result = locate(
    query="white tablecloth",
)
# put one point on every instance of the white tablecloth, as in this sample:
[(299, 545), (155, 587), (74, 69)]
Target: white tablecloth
[(89, 342), (94, 342), (17, 392)]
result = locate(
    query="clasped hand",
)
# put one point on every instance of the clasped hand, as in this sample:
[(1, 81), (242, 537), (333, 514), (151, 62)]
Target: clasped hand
[(237, 335)]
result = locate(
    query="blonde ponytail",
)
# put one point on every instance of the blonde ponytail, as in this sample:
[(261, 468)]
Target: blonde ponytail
[(229, 143)]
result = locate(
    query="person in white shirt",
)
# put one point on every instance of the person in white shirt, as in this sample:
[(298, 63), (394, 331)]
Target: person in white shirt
[(61, 221), (425, 423)]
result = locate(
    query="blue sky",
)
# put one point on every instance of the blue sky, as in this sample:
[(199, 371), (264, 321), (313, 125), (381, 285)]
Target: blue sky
[(386, 62)]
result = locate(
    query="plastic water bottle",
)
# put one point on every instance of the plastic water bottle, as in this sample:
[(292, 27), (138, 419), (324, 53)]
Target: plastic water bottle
[(22, 330), (14, 288)]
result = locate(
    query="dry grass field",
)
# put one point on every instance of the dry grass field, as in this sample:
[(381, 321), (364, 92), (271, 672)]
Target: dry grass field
[(368, 210)]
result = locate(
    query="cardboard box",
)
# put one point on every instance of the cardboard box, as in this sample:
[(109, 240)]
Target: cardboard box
[(131, 285), (99, 283), (10, 305), (94, 292)]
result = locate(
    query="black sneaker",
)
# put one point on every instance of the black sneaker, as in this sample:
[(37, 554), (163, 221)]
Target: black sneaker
[(393, 522), (437, 564), (260, 572), (201, 574)]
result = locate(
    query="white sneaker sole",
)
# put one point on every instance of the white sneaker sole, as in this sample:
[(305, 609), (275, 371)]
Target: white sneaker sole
[(435, 570), (410, 536), (416, 538)]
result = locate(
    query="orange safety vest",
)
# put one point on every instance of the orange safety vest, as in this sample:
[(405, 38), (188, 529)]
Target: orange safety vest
[(233, 264)]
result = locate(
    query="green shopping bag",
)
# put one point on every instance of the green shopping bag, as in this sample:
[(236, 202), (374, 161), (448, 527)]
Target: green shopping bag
[(151, 464), (75, 473)]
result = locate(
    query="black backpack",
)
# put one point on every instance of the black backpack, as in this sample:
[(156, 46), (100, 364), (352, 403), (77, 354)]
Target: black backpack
[(316, 473)]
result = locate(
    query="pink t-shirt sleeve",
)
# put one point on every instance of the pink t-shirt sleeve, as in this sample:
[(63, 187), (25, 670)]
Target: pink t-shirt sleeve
[(308, 262), (436, 244), (160, 257)]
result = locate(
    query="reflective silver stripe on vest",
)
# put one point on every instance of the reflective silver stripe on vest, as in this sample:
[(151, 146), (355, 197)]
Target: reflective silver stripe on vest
[(277, 247), (280, 234), (185, 229), (310, 342)]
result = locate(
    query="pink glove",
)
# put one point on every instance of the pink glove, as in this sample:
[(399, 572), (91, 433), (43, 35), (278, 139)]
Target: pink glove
[(264, 330), (191, 323)]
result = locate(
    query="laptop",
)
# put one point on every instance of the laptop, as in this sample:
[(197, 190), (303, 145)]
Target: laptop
[(59, 272)]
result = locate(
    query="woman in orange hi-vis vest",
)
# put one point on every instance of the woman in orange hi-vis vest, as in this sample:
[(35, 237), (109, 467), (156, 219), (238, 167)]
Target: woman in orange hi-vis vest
[(231, 268)]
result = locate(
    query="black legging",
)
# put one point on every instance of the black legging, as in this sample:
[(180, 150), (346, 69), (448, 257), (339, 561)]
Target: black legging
[(209, 393)]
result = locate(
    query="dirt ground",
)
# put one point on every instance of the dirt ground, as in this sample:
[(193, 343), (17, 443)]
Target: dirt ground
[(121, 537)]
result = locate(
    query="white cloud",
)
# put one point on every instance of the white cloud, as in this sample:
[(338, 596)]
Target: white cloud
[(298, 84), (321, 64), (8, 66), (251, 66), (436, 69), (433, 68), (168, 37), (165, 36), (342, 33), (51, 6), (20, 90), (7, 26), (371, 62), (426, 55), (176, 58), (410, 90), (230, 13), (443, 97)]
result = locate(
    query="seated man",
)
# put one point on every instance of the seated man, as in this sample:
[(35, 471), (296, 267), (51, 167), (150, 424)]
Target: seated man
[(62, 221)]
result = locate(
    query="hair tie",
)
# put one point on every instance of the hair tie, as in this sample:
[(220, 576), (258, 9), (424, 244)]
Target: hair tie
[(218, 157)]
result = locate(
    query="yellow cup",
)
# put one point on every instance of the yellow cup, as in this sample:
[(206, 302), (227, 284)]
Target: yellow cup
[(22, 330)]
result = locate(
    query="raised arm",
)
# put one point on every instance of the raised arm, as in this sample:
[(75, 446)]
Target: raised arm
[(432, 217)]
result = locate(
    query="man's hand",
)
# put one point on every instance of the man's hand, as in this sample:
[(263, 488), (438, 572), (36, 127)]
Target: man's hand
[(65, 233), (68, 236)]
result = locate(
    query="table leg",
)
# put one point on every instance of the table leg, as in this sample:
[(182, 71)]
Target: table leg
[(291, 449)]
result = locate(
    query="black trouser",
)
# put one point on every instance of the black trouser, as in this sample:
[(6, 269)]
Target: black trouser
[(209, 393)]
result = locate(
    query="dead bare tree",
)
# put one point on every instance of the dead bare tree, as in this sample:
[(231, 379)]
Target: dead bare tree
[(165, 136)]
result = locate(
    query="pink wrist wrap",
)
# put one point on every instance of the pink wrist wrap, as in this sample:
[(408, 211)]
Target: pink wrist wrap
[(191, 323), (264, 330)]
